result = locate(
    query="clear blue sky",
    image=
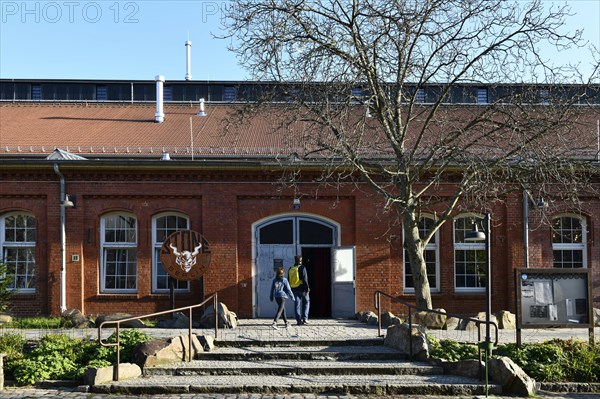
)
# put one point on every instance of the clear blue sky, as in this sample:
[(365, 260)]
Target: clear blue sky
[(120, 39)]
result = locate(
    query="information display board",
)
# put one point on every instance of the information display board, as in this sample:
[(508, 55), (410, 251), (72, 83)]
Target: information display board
[(553, 298)]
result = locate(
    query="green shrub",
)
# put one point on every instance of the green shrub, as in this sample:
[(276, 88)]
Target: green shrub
[(6, 286), (55, 357), (13, 345), (551, 361), (450, 350), (129, 340)]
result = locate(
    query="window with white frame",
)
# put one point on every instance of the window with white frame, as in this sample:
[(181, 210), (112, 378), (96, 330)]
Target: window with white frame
[(17, 240), (118, 234), (162, 226), (431, 255), (569, 249), (469, 257)]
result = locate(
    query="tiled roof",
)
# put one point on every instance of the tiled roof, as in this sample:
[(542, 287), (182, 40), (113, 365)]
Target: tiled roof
[(128, 129)]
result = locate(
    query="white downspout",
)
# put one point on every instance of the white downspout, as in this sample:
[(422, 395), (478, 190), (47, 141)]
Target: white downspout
[(63, 244)]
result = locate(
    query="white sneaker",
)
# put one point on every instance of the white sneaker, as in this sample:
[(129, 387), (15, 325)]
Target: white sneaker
[(274, 325), (287, 324)]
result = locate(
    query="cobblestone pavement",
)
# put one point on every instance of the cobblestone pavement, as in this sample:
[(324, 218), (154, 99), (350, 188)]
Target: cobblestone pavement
[(72, 393)]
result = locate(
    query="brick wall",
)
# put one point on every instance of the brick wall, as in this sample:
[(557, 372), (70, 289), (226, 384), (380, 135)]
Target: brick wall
[(223, 207)]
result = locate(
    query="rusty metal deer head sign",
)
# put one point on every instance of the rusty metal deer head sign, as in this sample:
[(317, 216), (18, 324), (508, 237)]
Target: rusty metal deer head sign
[(185, 255)]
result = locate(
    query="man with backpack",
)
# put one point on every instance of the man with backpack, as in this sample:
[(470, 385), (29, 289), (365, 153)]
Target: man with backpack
[(298, 279)]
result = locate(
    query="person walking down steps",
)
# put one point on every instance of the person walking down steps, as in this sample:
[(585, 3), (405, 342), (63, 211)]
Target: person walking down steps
[(280, 291), (298, 278)]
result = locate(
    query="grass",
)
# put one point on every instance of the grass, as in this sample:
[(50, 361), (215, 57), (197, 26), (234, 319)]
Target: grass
[(37, 323)]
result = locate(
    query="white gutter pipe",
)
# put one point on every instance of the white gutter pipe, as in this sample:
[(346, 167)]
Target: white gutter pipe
[(63, 244)]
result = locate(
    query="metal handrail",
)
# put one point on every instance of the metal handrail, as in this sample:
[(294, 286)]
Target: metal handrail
[(411, 306), (118, 328)]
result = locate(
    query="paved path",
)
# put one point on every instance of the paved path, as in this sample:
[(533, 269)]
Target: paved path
[(250, 330)]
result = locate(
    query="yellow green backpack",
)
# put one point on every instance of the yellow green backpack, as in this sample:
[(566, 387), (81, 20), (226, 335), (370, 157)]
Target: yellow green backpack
[(294, 276)]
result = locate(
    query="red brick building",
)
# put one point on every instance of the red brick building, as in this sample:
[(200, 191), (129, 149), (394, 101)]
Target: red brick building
[(133, 182)]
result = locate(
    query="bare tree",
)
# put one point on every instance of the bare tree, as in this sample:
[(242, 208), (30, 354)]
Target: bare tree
[(372, 87)]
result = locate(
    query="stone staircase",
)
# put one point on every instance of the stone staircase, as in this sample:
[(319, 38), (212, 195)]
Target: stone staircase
[(336, 367)]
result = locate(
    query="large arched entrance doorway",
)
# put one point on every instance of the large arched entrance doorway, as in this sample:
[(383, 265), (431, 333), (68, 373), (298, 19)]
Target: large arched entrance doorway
[(330, 267)]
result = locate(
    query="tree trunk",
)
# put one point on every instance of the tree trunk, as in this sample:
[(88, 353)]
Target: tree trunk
[(415, 249)]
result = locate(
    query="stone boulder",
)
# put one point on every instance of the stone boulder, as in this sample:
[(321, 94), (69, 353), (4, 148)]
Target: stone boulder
[(596, 317), (364, 317), (472, 326), (398, 337), (453, 323), (226, 318), (513, 379), (506, 320), (431, 320), (104, 375), (179, 320), (466, 368), (5, 318), (119, 316), (166, 351), (77, 319)]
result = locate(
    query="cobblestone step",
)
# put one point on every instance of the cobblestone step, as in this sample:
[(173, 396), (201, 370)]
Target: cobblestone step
[(283, 368), (371, 384), (331, 353)]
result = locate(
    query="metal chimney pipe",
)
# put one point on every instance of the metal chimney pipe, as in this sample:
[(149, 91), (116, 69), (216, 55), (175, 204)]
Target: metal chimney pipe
[(188, 52), (159, 117)]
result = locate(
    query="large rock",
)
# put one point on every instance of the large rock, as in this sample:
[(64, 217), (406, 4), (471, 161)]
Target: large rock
[(596, 316), (226, 318), (453, 323), (5, 318), (506, 320), (161, 351), (179, 320), (398, 337), (472, 326), (119, 316), (77, 319), (104, 375), (513, 379), (431, 320), (465, 368)]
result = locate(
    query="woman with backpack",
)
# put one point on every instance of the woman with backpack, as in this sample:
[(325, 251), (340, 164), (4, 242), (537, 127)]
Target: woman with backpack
[(280, 291)]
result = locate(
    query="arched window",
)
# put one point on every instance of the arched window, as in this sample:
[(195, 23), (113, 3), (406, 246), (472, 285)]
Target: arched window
[(569, 242), (431, 255), (17, 240), (164, 225), (118, 232), (469, 257)]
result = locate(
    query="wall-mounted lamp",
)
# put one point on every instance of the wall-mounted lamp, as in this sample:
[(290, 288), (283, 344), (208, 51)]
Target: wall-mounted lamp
[(296, 203), (540, 203), (70, 201), (201, 112)]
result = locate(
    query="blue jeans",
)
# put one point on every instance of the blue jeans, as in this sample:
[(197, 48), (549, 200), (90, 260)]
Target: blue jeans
[(302, 305)]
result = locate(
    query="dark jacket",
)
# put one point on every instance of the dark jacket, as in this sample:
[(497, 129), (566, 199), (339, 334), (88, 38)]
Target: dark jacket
[(303, 275)]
